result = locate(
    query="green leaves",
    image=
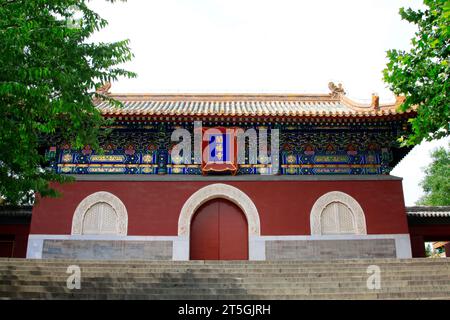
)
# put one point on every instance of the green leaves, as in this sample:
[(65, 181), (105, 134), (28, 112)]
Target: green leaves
[(436, 183), (48, 76), (422, 74)]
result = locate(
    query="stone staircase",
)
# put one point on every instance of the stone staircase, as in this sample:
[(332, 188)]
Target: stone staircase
[(228, 280)]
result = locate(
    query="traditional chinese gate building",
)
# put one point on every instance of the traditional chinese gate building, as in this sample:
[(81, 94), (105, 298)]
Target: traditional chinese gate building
[(332, 196)]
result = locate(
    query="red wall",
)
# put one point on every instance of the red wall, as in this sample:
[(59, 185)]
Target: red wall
[(20, 233), (284, 206)]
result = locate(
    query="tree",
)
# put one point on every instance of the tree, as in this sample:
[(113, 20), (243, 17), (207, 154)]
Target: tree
[(437, 183), (422, 74), (49, 73)]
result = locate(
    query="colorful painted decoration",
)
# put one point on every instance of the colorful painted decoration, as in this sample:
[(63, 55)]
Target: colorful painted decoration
[(304, 150)]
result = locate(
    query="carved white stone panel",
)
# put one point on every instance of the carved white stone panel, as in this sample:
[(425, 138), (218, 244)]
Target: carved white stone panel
[(100, 213), (337, 213)]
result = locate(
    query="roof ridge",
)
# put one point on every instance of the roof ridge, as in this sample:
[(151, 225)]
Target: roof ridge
[(309, 97), (224, 96)]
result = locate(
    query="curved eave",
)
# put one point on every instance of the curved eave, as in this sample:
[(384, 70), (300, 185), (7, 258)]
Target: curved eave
[(293, 115)]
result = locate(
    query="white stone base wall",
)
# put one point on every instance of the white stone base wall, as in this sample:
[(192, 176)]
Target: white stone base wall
[(100, 247), (177, 247), (336, 247)]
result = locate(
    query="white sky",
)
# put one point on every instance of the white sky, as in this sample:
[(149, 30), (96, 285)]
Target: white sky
[(295, 46)]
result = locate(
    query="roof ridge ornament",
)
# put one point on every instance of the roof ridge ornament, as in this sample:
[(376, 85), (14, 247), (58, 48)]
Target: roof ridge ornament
[(399, 100), (336, 90), (104, 89), (375, 101)]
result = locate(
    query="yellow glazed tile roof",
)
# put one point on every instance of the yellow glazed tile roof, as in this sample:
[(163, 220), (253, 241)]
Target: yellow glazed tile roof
[(275, 105)]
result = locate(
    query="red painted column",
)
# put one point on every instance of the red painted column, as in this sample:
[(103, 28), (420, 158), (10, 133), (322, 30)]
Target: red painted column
[(418, 246), (447, 250)]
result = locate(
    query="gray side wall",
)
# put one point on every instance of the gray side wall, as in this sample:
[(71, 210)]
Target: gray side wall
[(107, 250), (330, 249)]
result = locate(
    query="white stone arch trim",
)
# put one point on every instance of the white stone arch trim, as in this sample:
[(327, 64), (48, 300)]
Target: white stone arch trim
[(214, 191), (98, 197), (337, 196)]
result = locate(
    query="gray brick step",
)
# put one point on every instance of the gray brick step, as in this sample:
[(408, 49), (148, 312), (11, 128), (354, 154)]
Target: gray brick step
[(230, 264), (211, 275), (342, 279), (358, 283), (340, 296), (425, 261), (142, 276), (220, 278), (417, 268), (221, 291), (221, 268)]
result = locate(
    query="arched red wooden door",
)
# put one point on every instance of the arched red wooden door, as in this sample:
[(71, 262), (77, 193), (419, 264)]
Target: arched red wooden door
[(219, 232)]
